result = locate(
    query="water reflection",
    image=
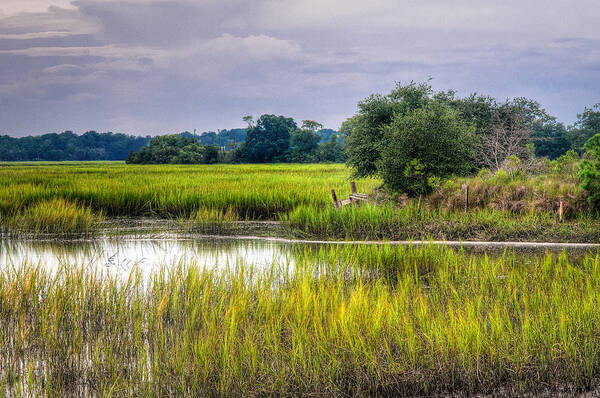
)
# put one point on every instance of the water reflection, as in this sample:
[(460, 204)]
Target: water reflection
[(119, 255)]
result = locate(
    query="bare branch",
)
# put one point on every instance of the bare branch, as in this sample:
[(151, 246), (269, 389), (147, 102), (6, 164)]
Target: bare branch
[(505, 138)]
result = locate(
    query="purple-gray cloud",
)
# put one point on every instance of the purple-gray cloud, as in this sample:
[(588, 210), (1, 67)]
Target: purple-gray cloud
[(148, 67)]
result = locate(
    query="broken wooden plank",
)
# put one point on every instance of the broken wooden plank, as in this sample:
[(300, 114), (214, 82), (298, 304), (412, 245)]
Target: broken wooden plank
[(346, 201), (357, 198)]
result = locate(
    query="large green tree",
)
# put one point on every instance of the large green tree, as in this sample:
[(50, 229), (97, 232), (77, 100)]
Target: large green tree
[(304, 142), (478, 110), (551, 140), (174, 148), (502, 129), (303, 146), (268, 140), (364, 132), (425, 144), (331, 151)]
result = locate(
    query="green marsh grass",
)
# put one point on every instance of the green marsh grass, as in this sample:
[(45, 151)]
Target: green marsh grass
[(213, 198), (340, 321), (417, 222), (254, 192)]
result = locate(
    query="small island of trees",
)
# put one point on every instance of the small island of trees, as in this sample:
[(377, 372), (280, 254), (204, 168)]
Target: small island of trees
[(269, 139)]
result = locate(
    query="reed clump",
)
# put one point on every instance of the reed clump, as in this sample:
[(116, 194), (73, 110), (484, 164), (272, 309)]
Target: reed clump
[(54, 216), (520, 194), (212, 221), (343, 321)]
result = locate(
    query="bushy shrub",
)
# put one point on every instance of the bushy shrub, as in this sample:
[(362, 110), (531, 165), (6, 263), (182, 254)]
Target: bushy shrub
[(589, 171), (566, 165), (514, 167), (485, 174), (500, 177)]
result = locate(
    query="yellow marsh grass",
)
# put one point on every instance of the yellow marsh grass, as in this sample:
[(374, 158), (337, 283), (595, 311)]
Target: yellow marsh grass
[(212, 221), (350, 321), (520, 194), (55, 216)]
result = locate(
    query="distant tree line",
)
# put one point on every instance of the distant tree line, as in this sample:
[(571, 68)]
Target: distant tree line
[(115, 146), (270, 138), (413, 136), (70, 146)]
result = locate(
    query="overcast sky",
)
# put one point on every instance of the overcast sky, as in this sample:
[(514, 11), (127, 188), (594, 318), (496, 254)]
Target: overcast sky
[(149, 67)]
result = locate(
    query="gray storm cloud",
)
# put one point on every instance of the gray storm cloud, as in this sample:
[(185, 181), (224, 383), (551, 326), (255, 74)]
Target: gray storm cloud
[(148, 67)]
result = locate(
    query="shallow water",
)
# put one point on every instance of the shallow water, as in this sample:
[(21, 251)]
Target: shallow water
[(120, 254)]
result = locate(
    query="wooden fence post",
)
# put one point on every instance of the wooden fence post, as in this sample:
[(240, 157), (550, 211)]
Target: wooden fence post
[(560, 211), (353, 187), (466, 198), (336, 204)]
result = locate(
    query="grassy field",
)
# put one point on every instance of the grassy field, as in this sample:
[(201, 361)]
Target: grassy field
[(111, 189), (75, 197), (339, 321), (344, 321)]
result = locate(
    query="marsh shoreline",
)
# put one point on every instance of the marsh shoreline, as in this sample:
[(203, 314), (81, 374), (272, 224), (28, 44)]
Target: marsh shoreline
[(271, 231)]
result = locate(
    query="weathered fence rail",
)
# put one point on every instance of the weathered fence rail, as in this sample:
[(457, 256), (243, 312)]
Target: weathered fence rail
[(354, 197)]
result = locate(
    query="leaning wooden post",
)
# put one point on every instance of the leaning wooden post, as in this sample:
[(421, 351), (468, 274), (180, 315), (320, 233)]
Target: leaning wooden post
[(466, 198), (560, 211), (336, 204), (353, 187)]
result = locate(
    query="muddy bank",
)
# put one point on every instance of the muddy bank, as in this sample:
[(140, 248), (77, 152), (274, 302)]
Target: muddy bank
[(146, 226), (274, 232)]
